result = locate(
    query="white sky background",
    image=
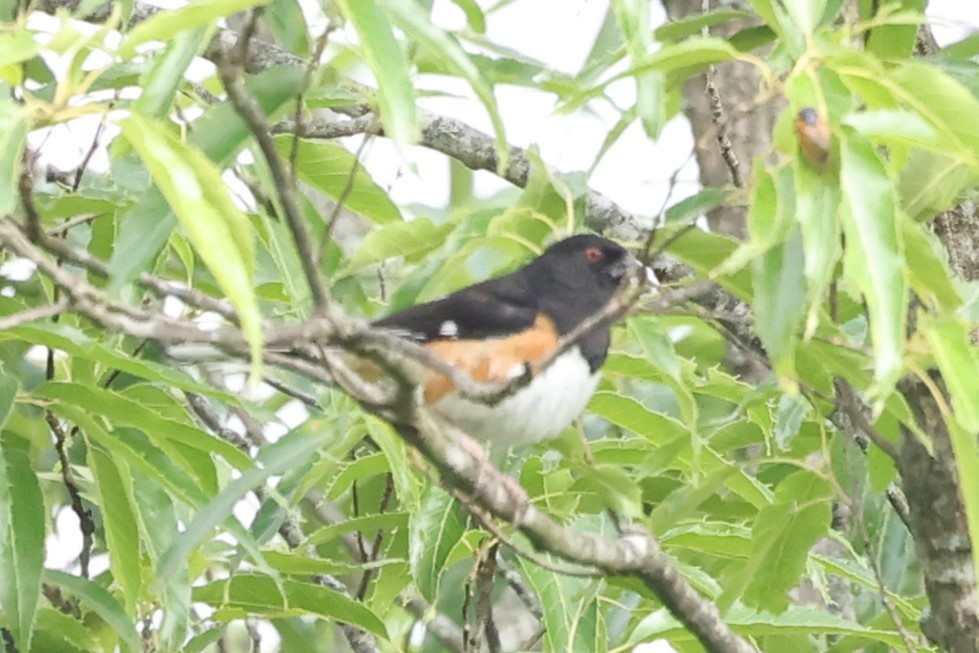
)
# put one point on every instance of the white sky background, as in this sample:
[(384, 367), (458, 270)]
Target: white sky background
[(559, 33)]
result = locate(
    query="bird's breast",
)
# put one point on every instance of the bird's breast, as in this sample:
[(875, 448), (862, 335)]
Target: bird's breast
[(537, 411)]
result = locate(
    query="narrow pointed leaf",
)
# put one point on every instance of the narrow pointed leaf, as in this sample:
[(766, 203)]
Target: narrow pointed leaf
[(395, 94), (22, 520), (216, 228), (875, 254)]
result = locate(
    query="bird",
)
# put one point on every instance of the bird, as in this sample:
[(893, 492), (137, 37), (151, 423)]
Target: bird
[(501, 328), (814, 137)]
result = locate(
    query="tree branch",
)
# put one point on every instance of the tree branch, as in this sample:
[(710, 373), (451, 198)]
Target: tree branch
[(637, 553), (30, 315)]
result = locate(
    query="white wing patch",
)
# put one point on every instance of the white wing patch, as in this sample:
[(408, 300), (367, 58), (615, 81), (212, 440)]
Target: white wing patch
[(449, 329)]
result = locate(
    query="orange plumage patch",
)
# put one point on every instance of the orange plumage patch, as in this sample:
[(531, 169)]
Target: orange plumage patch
[(814, 137), (492, 360)]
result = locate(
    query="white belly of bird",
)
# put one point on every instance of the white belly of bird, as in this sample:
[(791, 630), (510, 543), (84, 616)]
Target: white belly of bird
[(538, 411)]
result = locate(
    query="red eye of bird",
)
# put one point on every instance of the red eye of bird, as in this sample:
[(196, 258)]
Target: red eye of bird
[(593, 254)]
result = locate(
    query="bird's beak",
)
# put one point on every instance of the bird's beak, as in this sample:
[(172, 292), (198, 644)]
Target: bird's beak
[(624, 266)]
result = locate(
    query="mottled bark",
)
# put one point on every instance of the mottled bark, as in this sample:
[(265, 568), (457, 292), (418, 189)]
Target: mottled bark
[(939, 527), (931, 483), (958, 229)]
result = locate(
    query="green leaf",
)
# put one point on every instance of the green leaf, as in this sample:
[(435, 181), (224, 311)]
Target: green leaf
[(630, 414), (692, 53), (681, 28), (435, 529), (124, 411), (166, 24), (216, 228), (14, 125), (896, 126), (328, 167), (22, 519), (698, 204), (689, 54), (932, 182), (286, 21), (633, 19), (365, 523), (76, 343), (395, 93), (52, 623), (275, 459), (474, 14), (791, 413), (571, 621), (408, 16), (159, 86), (802, 620), (805, 13), (101, 602), (396, 239), (951, 344), (395, 450), (785, 27), (120, 521), (928, 274), (782, 536), (141, 455), (706, 252), (219, 134), (8, 395), (895, 40), (943, 101), (874, 256), (16, 46), (816, 211), (966, 48), (204, 640), (615, 488), (246, 594), (780, 299)]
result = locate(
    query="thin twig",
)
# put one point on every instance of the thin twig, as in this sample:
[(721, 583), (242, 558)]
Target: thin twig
[(158, 286), (526, 595), (378, 539), (32, 314), (885, 596), (717, 116), (93, 148), (25, 189), (311, 64), (486, 520), (895, 496), (85, 522), (646, 258), (344, 194), (850, 404), (289, 529), (251, 113), (76, 221)]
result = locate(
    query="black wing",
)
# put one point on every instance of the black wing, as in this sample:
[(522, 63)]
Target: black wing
[(491, 309)]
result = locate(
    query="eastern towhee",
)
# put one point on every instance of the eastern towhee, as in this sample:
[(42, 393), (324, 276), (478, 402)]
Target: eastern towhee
[(496, 329)]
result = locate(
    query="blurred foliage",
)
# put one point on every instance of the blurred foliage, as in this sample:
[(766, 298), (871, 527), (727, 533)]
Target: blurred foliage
[(738, 480)]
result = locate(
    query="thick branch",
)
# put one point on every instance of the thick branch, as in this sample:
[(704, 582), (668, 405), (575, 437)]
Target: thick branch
[(938, 523)]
